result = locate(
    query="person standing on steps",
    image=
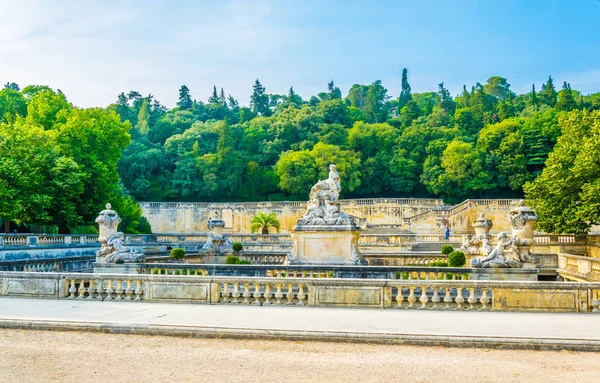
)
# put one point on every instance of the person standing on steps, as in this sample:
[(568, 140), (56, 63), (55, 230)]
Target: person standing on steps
[(447, 234)]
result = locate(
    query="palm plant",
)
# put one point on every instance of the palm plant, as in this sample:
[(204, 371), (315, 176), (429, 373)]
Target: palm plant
[(263, 221)]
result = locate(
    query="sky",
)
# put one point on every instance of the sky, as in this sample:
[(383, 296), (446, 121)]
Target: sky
[(94, 50)]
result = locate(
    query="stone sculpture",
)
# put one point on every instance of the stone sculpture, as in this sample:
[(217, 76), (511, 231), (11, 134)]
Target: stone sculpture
[(216, 241), (498, 257), (113, 247), (323, 207), (325, 234), (522, 220), (478, 244)]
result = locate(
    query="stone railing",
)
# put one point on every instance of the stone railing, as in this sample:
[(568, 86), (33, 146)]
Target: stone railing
[(76, 240), (48, 240), (578, 268), (325, 292), (294, 204), (326, 271), (50, 265)]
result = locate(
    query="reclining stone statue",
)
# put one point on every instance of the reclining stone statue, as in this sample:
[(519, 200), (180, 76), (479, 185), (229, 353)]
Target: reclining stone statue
[(499, 257)]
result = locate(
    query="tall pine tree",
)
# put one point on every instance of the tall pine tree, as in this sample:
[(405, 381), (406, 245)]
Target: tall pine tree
[(259, 100), (548, 93), (185, 100), (405, 95), (214, 97)]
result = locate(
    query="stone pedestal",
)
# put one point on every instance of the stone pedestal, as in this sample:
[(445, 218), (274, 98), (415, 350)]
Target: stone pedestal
[(326, 244), (115, 268)]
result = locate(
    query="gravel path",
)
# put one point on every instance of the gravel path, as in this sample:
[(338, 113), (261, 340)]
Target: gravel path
[(40, 356)]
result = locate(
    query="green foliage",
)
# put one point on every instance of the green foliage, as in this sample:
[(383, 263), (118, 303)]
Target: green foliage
[(242, 262), (456, 259), (263, 222), (447, 249), (439, 263), (232, 260), (566, 195), (177, 253), (237, 247)]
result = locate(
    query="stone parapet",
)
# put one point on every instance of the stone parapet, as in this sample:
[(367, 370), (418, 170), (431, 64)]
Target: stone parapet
[(324, 292)]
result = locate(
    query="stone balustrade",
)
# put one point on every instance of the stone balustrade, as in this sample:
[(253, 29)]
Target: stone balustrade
[(578, 268), (424, 294), (31, 240), (49, 265)]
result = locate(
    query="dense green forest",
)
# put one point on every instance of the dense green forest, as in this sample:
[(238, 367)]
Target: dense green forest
[(485, 142), (60, 164)]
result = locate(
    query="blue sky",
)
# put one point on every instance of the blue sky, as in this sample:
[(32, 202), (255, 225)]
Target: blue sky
[(94, 50)]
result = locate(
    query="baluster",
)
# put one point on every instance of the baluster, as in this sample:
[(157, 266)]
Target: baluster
[(236, 292), (426, 275), (399, 297), (81, 289), (128, 290), (595, 301), (411, 297), (100, 289), (138, 291), (109, 290), (301, 295), (119, 290), (423, 299), (472, 300), (246, 294), (484, 299), (447, 299), (290, 294), (410, 276), (459, 298), (257, 294), (72, 290), (435, 299), (278, 294), (225, 292), (267, 294)]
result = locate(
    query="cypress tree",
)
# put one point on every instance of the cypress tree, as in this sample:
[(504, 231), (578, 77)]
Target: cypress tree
[(405, 95)]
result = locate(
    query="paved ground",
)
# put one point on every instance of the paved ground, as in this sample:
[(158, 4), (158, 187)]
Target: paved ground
[(490, 329), (42, 356)]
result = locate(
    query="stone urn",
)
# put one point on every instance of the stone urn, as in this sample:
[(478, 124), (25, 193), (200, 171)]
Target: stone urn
[(482, 227)]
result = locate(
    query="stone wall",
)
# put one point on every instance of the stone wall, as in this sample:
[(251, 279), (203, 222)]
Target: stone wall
[(190, 217), (413, 214)]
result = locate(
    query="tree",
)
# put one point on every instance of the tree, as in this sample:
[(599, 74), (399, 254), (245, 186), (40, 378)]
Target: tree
[(374, 107), (259, 100), (498, 87), (263, 222), (333, 92), (214, 97), (566, 102), (445, 100), (405, 95), (548, 93), (143, 120), (222, 98), (566, 195), (297, 172), (409, 113), (185, 100), (533, 100), (12, 86)]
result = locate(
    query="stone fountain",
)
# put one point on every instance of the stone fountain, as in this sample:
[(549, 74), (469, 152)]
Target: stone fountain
[(325, 234)]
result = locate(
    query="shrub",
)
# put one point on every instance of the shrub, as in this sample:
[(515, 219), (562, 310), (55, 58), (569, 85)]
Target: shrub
[(456, 259), (119, 261), (231, 260), (177, 253), (155, 271), (243, 262), (447, 249), (438, 264), (237, 247)]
